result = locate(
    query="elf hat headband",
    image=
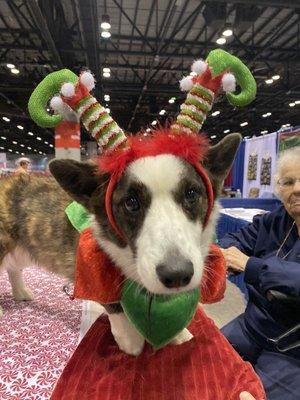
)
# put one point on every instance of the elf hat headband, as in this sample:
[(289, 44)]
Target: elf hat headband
[(181, 139)]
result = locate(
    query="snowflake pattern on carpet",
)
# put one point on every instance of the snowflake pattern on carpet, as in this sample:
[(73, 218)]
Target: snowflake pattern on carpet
[(37, 337)]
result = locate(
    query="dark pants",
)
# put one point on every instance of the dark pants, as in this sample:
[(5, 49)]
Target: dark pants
[(279, 372)]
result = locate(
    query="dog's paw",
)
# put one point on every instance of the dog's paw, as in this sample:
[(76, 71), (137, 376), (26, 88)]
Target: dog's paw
[(184, 336), (23, 293), (127, 337), (132, 345)]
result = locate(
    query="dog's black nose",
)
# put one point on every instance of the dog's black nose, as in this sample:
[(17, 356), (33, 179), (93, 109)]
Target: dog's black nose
[(175, 277)]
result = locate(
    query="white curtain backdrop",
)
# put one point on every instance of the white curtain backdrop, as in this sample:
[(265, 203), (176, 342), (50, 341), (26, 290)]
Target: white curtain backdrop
[(263, 147)]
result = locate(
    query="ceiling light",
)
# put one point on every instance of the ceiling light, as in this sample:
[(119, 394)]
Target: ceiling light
[(105, 34), (227, 32), (227, 131), (17, 152), (107, 97), (148, 130), (106, 69), (105, 22), (10, 66), (269, 81), (154, 122), (46, 142), (28, 147), (297, 102), (221, 40), (244, 124), (35, 150), (30, 133), (214, 114), (6, 119), (2, 148), (40, 152), (22, 154), (3, 137), (106, 74), (263, 132), (162, 112), (20, 127), (292, 104), (10, 150), (107, 110), (51, 145), (14, 71), (14, 142), (38, 138), (275, 77), (213, 136), (22, 145), (172, 100)]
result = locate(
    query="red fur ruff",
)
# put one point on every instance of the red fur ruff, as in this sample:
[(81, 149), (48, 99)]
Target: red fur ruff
[(192, 148)]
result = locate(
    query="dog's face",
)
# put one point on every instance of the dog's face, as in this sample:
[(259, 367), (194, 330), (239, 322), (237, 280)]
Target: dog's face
[(159, 204)]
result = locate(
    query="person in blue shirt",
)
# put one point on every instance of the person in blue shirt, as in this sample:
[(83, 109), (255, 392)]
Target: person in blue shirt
[(268, 252)]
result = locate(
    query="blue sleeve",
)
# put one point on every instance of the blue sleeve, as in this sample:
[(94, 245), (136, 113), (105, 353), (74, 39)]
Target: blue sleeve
[(245, 238), (274, 273)]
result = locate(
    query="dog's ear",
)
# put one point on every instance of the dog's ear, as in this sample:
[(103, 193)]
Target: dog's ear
[(78, 179), (220, 158)]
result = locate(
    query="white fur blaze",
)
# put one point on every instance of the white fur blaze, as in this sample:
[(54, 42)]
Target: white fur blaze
[(166, 227)]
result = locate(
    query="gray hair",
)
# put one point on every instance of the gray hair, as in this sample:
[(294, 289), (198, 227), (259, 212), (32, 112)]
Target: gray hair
[(286, 157)]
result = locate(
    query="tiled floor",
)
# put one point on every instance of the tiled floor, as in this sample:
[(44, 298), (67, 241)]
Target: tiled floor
[(36, 338)]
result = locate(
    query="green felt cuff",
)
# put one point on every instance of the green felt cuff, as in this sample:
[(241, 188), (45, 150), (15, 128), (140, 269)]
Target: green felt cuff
[(158, 318), (78, 216)]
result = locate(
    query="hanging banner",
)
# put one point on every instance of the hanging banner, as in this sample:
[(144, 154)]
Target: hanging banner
[(289, 139), (259, 166)]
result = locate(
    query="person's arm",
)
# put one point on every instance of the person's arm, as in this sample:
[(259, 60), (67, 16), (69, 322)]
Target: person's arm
[(274, 273), (245, 238)]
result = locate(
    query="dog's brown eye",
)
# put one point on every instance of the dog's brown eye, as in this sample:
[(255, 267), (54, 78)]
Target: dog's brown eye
[(132, 204), (191, 196)]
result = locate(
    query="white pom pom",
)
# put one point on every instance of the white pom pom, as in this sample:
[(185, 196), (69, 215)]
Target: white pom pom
[(57, 104), (228, 82), (186, 83), (87, 79), (67, 89), (199, 67)]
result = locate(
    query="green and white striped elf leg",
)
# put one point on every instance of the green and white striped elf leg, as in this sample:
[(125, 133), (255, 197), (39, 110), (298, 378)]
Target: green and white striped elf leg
[(194, 110), (99, 123)]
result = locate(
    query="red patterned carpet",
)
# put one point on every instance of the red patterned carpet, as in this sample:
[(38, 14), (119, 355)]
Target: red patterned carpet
[(36, 338)]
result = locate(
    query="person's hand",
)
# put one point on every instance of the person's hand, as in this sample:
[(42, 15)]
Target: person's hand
[(235, 259), (246, 396)]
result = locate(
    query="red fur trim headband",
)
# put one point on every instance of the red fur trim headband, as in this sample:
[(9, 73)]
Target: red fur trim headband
[(192, 148)]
